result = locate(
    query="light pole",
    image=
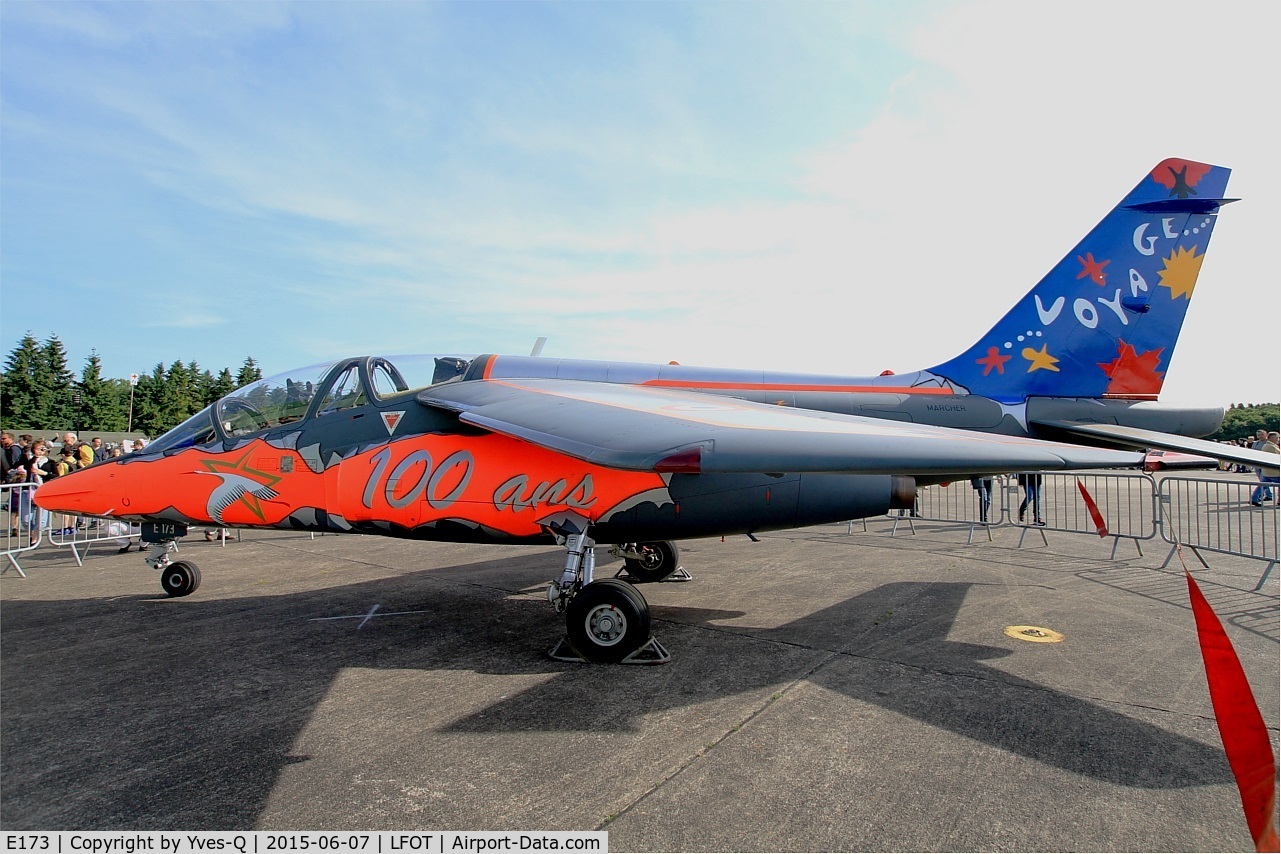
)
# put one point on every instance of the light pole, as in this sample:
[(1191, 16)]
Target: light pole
[(133, 383)]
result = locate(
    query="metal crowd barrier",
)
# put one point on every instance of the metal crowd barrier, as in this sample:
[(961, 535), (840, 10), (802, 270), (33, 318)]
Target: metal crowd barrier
[(1203, 514), (959, 501), (22, 528), (1126, 502), (28, 527), (1212, 515), (78, 533)]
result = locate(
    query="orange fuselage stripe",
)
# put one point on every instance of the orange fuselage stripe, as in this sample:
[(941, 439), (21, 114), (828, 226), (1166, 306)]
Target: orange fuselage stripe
[(726, 386)]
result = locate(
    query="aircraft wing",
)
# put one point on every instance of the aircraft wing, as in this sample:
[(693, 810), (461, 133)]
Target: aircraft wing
[(647, 429), (1134, 437)]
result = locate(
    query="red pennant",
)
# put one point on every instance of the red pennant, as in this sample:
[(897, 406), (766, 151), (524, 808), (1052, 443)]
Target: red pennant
[(1245, 738), (1099, 524)]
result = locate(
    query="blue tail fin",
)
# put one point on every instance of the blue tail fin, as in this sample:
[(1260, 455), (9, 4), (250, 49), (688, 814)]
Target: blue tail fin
[(1104, 321)]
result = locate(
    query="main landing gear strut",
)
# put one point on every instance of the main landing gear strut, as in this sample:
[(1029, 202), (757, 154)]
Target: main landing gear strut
[(607, 620), (645, 563)]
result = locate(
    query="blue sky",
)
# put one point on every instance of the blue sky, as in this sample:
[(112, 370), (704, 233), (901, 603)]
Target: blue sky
[(829, 186)]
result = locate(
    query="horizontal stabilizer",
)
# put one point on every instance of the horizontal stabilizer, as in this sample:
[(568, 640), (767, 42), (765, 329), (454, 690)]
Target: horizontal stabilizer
[(647, 429), (1181, 206), (1133, 437)]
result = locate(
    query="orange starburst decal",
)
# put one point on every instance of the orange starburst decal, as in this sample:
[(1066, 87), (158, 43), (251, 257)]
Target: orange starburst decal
[(1133, 373), (1180, 272)]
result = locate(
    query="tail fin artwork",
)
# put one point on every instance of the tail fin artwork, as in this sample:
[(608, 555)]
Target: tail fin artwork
[(1104, 321)]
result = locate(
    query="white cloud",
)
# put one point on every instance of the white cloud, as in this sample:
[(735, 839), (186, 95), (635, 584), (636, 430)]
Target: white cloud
[(848, 186)]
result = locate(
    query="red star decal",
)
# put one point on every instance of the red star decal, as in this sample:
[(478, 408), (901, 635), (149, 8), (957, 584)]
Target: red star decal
[(242, 467), (1093, 269), (1134, 373), (993, 359)]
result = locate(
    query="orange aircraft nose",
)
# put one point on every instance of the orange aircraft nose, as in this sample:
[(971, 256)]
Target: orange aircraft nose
[(83, 493)]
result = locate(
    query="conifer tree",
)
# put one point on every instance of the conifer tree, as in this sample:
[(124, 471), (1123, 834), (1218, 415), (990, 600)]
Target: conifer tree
[(222, 386), (99, 399), (177, 395), (19, 398), (58, 383), (249, 372), (148, 403)]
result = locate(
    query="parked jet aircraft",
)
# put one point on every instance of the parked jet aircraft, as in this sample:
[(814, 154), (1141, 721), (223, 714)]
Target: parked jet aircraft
[(532, 450)]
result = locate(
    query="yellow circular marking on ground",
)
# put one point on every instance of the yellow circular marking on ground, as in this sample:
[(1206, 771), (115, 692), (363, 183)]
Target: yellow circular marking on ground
[(1035, 634)]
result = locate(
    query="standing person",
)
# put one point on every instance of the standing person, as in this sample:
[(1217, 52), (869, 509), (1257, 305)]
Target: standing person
[(100, 451), (983, 486), (1031, 484), (10, 455), (39, 469), (69, 462), (11, 471), (83, 453), (1270, 444)]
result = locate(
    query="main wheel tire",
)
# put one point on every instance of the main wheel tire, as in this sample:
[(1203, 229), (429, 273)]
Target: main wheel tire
[(180, 578), (607, 621), (657, 561)]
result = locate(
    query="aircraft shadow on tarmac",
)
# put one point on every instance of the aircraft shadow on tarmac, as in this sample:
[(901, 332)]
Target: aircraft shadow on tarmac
[(139, 712)]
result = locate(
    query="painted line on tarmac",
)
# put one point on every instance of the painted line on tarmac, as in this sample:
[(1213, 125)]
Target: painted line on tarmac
[(364, 618)]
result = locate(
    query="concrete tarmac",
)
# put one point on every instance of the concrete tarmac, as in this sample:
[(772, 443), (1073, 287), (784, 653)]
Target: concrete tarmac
[(828, 691)]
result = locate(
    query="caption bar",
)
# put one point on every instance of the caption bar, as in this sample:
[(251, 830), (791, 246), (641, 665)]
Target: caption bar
[(313, 841)]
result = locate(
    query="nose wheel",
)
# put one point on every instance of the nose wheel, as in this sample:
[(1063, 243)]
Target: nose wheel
[(180, 578), (177, 577)]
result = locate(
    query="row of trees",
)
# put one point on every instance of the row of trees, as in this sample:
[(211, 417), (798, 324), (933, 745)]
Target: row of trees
[(1242, 420), (38, 391)]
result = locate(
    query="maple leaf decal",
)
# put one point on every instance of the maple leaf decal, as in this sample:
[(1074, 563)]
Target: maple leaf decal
[(1179, 176), (1134, 373)]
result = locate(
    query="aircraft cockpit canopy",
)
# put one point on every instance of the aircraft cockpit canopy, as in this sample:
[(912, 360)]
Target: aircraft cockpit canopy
[(310, 392)]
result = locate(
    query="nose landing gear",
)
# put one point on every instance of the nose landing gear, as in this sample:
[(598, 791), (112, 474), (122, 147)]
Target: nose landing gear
[(177, 577)]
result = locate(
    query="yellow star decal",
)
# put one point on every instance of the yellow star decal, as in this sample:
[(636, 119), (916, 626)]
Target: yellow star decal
[(242, 467), (1181, 270), (1041, 359)]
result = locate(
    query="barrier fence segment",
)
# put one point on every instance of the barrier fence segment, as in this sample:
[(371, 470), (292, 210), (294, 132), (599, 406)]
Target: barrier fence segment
[(1052, 501), (22, 528), (1044, 501), (1213, 515), (78, 533), (1126, 502), (959, 501)]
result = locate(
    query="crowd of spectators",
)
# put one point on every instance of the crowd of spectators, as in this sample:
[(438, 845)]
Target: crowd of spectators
[(30, 459)]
